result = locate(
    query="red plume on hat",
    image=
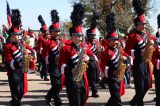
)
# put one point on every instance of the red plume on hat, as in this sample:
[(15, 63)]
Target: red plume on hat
[(92, 29), (77, 16), (55, 21), (141, 18), (43, 24), (16, 23), (110, 27)]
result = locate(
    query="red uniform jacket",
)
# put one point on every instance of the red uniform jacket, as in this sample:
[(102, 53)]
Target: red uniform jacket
[(54, 47), (13, 55), (137, 43), (95, 47), (110, 62), (43, 44), (156, 57), (68, 52), (105, 43)]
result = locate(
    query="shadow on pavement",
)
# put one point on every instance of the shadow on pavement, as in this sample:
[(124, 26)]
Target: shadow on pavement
[(43, 103), (3, 84), (35, 80)]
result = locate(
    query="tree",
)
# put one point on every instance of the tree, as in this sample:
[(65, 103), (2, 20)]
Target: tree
[(65, 28), (122, 8)]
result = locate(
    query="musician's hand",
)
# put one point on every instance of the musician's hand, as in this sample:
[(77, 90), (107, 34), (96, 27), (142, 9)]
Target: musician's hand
[(34, 59), (99, 48), (61, 44), (27, 51), (73, 71), (142, 53), (21, 64), (86, 58), (24, 32), (116, 72), (124, 58)]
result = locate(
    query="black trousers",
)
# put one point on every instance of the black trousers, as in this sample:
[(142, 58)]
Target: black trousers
[(92, 75), (114, 89), (76, 95), (157, 85), (55, 78), (128, 76), (39, 60), (16, 83), (44, 70), (141, 77)]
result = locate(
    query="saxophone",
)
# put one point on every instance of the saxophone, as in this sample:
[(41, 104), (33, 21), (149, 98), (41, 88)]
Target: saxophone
[(149, 49), (149, 52), (26, 57), (81, 66), (121, 66)]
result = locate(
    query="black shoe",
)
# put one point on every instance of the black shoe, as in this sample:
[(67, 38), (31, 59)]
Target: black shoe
[(106, 104), (58, 104), (132, 103), (128, 86), (11, 103), (49, 103), (46, 79), (102, 86), (41, 76), (154, 99), (95, 95)]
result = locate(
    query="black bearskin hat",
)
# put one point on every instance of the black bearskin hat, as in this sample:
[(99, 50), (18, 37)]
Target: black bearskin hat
[(110, 27), (92, 29), (55, 21), (76, 17), (43, 24), (140, 19), (16, 23)]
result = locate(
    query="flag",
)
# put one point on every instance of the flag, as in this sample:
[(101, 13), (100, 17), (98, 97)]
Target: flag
[(9, 15)]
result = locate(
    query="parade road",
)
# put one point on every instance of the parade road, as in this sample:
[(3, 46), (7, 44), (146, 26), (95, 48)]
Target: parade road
[(37, 89)]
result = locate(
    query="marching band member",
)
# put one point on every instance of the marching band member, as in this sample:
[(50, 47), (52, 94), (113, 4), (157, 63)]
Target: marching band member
[(93, 66), (43, 42), (32, 38), (156, 61), (72, 61), (114, 58), (104, 80), (52, 60), (14, 61), (136, 47), (122, 40)]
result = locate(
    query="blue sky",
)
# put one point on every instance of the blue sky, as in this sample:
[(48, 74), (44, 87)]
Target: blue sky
[(30, 9)]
